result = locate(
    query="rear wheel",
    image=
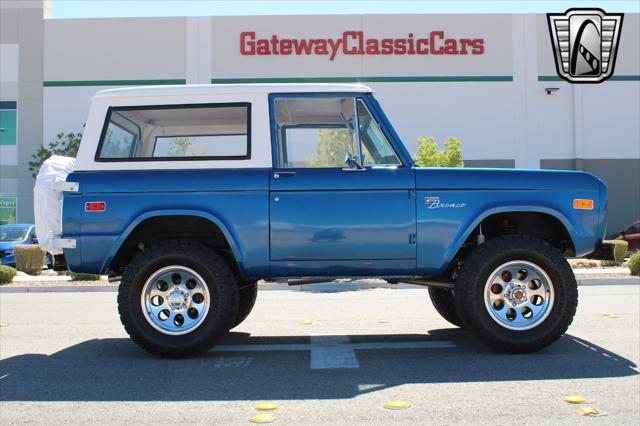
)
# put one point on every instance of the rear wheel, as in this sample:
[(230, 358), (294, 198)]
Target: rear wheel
[(176, 299), (516, 294), (443, 301)]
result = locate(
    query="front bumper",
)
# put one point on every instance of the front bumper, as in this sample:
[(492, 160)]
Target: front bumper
[(604, 251)]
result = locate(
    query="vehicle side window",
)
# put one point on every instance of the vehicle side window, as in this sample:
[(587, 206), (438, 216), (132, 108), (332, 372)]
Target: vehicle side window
[(118, 142), (318, 133), (177, 132), (633, 229), (315, 132), (376, 149)]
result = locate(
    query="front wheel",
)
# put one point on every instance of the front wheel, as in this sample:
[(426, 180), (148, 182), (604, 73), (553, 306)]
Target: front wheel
[(176, 299), (516, 294)]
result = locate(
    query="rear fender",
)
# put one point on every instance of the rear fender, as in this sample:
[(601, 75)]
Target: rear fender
[(235, 247)]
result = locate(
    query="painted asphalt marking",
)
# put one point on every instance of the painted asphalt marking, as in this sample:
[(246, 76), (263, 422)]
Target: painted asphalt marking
[(328, 352), (332, 352)]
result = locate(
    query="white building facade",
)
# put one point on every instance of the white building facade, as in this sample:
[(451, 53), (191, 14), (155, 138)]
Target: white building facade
[(480, 78)]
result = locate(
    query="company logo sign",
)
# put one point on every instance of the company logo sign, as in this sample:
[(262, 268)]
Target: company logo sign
[(356, 43), (585, 43)]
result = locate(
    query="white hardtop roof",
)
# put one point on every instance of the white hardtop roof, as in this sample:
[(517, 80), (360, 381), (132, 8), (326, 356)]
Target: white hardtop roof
[(216, 89)]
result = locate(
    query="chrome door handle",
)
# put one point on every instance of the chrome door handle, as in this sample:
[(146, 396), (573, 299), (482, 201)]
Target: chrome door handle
[(278, 175)]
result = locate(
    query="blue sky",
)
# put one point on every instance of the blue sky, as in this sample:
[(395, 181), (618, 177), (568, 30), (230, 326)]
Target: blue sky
[(138, 8)]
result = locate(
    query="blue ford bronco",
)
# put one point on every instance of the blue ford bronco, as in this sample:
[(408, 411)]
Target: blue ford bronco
[(190, 195)]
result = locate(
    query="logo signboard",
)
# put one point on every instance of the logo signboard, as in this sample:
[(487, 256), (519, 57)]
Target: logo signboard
[(358, 43), (585, 43)]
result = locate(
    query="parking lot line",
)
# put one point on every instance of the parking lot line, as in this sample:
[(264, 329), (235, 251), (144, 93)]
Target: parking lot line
[(337, 351), (332, 352)]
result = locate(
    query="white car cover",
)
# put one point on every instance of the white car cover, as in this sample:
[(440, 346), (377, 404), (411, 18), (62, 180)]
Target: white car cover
[(47, 200)]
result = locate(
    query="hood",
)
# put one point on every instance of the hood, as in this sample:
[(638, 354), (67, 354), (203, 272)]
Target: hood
[(428, 178), (4, 246)]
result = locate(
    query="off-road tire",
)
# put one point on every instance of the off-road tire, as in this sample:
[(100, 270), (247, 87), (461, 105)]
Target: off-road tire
[(247, 300), (443, 301), (219, 279), (470, 287)]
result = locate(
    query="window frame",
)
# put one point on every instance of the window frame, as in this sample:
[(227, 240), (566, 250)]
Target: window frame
[(369, 102), (97, 158)]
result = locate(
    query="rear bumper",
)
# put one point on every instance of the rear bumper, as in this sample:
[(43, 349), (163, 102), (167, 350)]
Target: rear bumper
[(604, 251)]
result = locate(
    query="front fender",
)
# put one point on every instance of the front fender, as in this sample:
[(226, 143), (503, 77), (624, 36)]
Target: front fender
[(443, 231), (466, 232), (236, 248)]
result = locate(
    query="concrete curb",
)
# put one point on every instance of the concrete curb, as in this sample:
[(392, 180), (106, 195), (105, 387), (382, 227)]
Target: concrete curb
[(609, 281), (61, 289), (311, 288)]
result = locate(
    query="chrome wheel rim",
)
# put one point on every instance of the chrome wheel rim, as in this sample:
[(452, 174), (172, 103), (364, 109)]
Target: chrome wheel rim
[(175, 300), (519, 295)]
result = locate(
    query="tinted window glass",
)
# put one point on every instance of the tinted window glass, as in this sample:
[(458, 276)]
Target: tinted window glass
[(315, 132), (212, 131), (376, 149), (118, 142)]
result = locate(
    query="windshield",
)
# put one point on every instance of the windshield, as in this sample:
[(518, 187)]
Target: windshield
[(13, 233)]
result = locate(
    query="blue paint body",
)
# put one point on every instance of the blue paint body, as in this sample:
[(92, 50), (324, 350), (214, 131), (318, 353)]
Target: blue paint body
[(328, 222)]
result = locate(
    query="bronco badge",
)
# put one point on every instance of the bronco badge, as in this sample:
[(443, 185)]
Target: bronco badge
[(434, 203)]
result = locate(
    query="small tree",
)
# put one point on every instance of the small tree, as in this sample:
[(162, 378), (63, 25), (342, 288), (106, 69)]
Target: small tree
[(65, 145), (428, 154), (332, 145), (183, 147)]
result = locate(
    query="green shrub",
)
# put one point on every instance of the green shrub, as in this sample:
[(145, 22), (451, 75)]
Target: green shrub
[(619, 252), (29, 258), (428, 154), (76, 276), (6, 274), (634, 263)]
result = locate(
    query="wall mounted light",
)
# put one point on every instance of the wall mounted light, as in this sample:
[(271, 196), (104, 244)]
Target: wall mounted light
[(550, 90)]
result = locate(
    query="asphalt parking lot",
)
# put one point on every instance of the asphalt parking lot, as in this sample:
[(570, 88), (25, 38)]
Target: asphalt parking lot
[(324, 358)]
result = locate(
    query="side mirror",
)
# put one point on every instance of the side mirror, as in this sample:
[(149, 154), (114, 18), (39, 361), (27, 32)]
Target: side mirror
[(352, 163), (622, 233), (34, 240)]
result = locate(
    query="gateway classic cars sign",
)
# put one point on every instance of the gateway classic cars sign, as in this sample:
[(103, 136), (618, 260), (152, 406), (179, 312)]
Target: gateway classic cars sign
[(356, 43)]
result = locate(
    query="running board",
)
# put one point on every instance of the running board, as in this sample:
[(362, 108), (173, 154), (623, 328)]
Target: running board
[(425, 282)]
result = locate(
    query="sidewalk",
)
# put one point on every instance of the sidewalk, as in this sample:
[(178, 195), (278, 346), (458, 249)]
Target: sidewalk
[(60, 285)]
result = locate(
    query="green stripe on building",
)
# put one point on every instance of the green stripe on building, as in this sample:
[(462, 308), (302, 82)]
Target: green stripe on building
[(71, 83), (408, 79), (612, 78)]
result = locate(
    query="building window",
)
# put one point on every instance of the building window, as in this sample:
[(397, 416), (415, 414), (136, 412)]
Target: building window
[(176, 132), (8, 120), (8, 210)]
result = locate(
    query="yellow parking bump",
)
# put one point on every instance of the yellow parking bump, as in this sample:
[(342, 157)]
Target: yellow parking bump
[(263, 418), (266, 406), (610, 315), (575, 399), (397, 405), (306, 322), (590, 412), (383, 321), (4, 324)]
